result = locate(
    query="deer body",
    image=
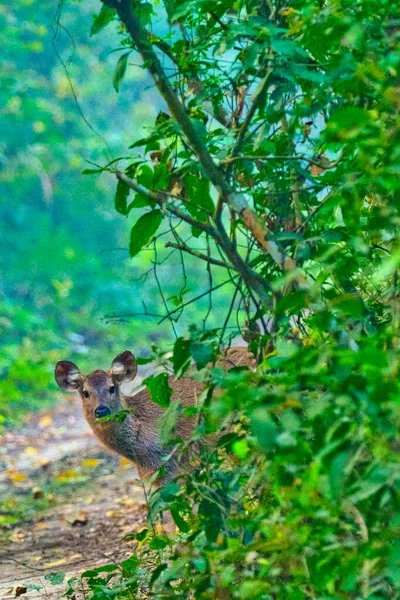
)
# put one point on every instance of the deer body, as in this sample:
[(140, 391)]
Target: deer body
[(136, 437)]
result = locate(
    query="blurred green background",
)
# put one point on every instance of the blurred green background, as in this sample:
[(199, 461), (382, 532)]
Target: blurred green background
[(64, 258)]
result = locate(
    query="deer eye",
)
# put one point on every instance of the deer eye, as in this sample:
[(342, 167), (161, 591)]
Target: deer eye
[(86, 393), (112, 389)]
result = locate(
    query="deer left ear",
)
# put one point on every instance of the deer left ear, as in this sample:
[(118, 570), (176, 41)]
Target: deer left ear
[(123, 367)]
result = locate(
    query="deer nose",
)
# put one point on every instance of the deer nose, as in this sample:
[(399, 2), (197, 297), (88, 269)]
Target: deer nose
[(101, 411)]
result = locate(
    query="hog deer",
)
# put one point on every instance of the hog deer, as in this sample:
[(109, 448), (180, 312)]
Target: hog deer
[(137, 436)]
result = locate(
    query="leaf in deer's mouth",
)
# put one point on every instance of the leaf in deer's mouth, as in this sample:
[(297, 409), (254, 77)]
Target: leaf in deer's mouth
[(120, 416)]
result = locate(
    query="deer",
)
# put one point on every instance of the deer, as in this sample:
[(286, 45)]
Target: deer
[(137, 437)]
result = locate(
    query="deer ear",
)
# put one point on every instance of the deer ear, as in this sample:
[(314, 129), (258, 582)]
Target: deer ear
[(67, 376), (124, 367)]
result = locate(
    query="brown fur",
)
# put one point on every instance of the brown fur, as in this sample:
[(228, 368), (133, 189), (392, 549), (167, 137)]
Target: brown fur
[(137, 437)]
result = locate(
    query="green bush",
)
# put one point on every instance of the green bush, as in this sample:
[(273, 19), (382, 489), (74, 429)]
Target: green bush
[(300, 497)]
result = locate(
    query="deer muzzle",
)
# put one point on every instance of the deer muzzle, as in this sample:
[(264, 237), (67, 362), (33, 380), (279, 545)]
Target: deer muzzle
[(101, 411)]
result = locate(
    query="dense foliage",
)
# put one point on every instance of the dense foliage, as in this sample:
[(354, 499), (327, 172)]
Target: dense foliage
[(274, 161)]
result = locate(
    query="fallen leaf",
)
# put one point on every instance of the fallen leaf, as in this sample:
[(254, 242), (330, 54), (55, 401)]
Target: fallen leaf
[(30, 451), (18, 477), (19, 590), (112, 513), (124, 461), (75, 556), (17, 536), (45, 421), (56, 563), (91, 462), (67, 475), (79, 520), (126, 501)]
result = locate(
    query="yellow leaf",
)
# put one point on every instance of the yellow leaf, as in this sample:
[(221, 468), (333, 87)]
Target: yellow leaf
[(56, 563), (285, 12), (38, 126), (31, 451), (75, 556), (45, 421), (41, 462), (18, 477), (124, 461), (316, 170), (91, 462), (67, 475)]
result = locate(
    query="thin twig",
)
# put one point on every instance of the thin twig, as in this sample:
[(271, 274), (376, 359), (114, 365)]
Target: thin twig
[(216, 287), (248, 119), (208, 259), (168, 316)]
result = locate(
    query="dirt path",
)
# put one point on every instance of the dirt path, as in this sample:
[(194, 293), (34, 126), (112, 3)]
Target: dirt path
[(65, 504)]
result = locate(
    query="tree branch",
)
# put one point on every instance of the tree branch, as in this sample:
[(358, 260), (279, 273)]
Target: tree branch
[(162, 202), (209, 291), (251, 278), (196, 87), (236, 200), (208, 259)]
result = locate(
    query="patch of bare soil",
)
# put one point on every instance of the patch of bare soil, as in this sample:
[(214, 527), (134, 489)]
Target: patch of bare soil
[(78, 502)]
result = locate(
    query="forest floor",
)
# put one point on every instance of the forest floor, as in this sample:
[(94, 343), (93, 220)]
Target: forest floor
[(65, 504)]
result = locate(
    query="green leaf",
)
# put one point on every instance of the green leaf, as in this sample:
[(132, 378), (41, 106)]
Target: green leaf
[(366, 489), (168, 421), (33, 587), (92, 171), (348, 122), (144, 361), (159, 543), (141, 535), (202, 354), (121, 197), (120, 70), (130, 565), (181, 356), (105, 16), (241, 448), (211, 517), (110, 568), (159, 390), (144, 229), (264, 428), (198, 192), (55, 578), (143, 11), (288, 48), (180, 522)]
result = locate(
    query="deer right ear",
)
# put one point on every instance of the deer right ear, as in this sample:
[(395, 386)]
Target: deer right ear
[(67, 376), (123, 367)]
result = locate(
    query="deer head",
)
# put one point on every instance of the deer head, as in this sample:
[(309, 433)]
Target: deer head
[(100, 390)]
